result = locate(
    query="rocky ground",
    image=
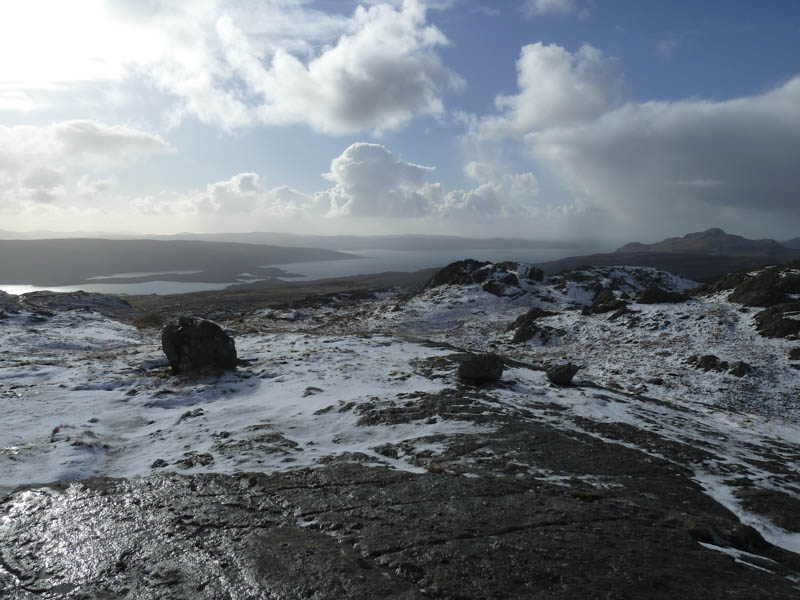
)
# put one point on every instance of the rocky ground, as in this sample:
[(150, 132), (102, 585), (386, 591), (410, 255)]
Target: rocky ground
[(345, 458)]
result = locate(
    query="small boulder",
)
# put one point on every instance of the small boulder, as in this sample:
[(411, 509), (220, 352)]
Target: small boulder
[(740, 368), (794, 354), (195, 344), (708, 362), (480, 368), (562, 374)]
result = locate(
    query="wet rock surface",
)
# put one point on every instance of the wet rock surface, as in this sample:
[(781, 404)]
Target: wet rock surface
[(625, 526)]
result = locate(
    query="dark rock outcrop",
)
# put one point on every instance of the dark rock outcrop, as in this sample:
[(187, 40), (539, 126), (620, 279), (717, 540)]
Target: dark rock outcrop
[(462, 272), (494, 287), (708, 362), (776, 321), (794, 354), (525, 326), (657, 295), (500, 279), (562, 374), (604, 301), (532, 315), (195, 344), (769, 287), (480, 368)]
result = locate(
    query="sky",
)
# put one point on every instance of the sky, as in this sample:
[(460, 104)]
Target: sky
[(547, 119)]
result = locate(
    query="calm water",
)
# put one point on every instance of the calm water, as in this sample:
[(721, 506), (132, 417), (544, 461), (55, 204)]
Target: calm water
[(378, 261), (369, 261)]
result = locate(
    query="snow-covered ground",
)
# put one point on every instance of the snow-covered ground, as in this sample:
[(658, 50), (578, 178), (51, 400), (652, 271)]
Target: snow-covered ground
[(82, 394)]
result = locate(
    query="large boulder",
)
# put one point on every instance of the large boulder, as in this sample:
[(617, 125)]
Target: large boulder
[(480, 368), (195, 344)]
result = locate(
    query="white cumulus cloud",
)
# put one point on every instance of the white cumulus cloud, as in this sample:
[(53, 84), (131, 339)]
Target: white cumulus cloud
[(556, 87), (497, 194), (383, 71), (44, 164), (370, 181), (241, 196)]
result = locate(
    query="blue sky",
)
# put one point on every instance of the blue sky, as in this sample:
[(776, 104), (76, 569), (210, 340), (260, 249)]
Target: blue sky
[(541, 118)]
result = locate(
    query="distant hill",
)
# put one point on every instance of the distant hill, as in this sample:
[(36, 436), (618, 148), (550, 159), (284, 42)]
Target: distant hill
[(403, 241), (72, 261), (702, 256), (713, 241), (794, 243), (374, 242)]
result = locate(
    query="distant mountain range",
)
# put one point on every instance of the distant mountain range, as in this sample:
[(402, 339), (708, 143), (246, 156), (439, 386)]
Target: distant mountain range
[(700, 256), (375, 242), (210, 258), (794, 243), (326, 242), (712, 241)]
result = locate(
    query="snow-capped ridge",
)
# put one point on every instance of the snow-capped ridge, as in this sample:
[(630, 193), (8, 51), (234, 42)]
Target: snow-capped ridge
[(578, 287)]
